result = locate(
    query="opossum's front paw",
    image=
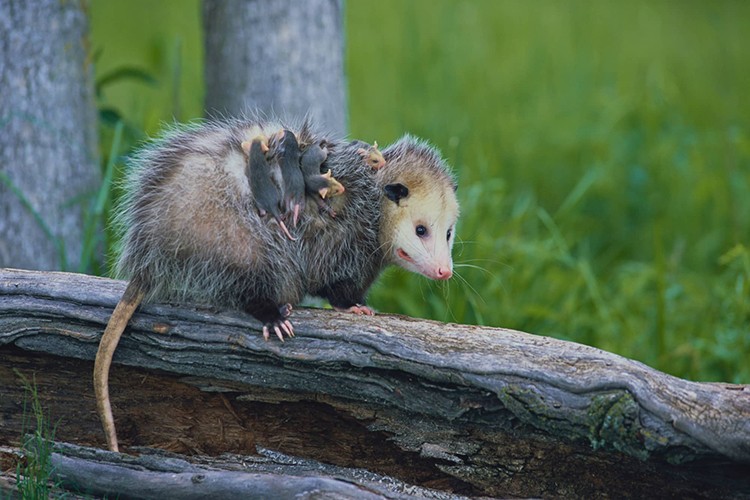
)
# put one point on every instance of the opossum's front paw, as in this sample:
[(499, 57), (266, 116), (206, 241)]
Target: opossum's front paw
[(273, 316), (280, 327), (357, 309)]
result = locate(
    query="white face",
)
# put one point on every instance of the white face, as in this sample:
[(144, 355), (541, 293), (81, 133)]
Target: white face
[(424, 234)]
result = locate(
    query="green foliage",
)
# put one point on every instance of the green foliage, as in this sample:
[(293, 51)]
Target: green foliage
[(602, 149), (149, 56), (96, 236), (603, 152), (34, 471)]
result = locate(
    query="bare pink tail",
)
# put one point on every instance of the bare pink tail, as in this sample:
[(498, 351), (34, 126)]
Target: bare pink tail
[(123, 312)]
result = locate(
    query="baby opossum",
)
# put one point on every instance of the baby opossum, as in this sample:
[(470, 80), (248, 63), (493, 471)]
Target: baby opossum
[(191, 232), (371, 154), (310, 163), (294, 184), (317, 185), (266, 181)]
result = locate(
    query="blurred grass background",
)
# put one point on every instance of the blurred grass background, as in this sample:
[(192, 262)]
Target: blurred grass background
[(602, 149)]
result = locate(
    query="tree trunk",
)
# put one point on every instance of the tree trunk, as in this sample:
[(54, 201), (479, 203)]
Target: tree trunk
[(281, 57), (473, 410), (48, 159)]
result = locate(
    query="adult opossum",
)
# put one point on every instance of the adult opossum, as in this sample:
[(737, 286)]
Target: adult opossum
[(192, 233)]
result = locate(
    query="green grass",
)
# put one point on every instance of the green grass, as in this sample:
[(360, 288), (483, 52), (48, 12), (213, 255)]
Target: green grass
[(34, 472), (602, 150)]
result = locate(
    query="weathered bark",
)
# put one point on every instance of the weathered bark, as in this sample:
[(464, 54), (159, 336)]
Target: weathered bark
[(155, 474), (280, 57), (467, 409), (47, 132)]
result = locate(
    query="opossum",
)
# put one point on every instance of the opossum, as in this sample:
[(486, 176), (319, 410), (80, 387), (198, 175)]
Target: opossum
[(371, 154), (266, 181), (310, 163), (191, 234), (294, 183), (317, 185)]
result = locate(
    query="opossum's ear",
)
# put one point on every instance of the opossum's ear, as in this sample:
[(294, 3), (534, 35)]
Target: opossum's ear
[(395, 192)]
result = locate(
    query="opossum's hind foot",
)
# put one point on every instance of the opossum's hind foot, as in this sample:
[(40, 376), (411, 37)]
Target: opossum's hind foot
[(357, 309)]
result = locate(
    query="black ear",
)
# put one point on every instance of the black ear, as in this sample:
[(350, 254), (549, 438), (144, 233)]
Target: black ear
[(395, 192)]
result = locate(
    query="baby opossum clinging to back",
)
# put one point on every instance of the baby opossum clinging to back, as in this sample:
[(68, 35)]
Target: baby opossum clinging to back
[(193, 233)]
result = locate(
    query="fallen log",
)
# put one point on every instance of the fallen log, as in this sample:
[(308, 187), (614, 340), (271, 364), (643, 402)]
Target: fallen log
[(155, 474), (473, 410), (79, 472)]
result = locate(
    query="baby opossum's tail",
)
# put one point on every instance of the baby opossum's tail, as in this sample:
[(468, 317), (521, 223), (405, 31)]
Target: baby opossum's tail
[(129, 302)]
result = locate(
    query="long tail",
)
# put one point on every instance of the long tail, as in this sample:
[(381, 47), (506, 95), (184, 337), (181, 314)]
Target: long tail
[(125, 308)]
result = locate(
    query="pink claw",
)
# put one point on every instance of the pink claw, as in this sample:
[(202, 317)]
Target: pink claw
[(288, 328), (278, 333), (295, 214), (286, 231)]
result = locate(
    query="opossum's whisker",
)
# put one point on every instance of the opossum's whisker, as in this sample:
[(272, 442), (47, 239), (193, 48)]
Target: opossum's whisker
[(466, 282), (380, 247), (446, 289), (472, 266), (492, 261), (463, 243)]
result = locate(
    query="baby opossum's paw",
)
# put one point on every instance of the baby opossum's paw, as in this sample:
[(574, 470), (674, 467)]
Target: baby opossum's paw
[(325, 208), (280, 325), (357, 309)]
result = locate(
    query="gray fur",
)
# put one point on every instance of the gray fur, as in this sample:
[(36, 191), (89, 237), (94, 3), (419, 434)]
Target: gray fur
[(191, 233)]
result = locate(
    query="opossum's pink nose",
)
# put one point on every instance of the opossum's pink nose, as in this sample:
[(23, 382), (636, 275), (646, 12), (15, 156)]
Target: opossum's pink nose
[(443, 273)]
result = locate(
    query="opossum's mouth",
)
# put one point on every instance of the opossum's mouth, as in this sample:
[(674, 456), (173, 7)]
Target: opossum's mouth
[(400, 252)]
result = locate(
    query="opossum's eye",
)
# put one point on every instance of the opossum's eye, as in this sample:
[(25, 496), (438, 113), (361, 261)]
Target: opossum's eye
[(448, 236), (421, 231)]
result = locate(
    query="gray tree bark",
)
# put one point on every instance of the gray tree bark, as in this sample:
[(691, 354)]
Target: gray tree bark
[(280, 57), (270, 475), (48, 155)]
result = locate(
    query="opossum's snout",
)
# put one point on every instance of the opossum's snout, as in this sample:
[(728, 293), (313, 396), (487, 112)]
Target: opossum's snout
[(423, 236), (439, 271)]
